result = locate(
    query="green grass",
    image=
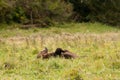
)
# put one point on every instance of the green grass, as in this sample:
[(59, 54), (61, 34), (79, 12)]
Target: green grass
[(98, 48), (13, 30)]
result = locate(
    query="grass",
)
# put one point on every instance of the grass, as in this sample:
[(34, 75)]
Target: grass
[(98, 48), (14, 30)]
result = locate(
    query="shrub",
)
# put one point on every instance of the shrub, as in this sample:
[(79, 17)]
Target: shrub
[(105, 11), (45, 12)]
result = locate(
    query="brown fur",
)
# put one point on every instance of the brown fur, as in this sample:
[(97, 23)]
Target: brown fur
[(68, 55), (53, 54), (59, 52), (42, 53), (65, 54), (48, 55)]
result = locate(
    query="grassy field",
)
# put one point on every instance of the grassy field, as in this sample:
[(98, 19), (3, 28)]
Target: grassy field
[(97, 45), (13, 30)]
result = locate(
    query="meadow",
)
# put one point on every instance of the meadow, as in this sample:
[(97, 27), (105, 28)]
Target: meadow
[(97, 45)]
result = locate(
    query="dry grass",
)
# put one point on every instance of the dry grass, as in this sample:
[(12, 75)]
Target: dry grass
[(99, 57), (97, 45)]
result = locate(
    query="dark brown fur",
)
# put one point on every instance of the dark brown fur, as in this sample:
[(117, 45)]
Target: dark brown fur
[(53, 54), (48, 55), (59, 52), (65, 54), (42, 53), (68, 55)]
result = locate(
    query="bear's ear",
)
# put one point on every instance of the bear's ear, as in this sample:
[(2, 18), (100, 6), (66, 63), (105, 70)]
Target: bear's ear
[(46, 50)]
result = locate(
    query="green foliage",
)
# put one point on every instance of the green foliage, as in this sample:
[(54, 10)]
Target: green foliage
[(49, 12), (5, 10), (45, 12), (42, 12), (105, 11)]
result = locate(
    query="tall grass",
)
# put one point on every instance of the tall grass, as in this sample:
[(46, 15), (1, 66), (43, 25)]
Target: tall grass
[(99, 57)]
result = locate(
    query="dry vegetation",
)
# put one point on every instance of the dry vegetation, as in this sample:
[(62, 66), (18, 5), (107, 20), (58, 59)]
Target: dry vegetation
[(99, 57)]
